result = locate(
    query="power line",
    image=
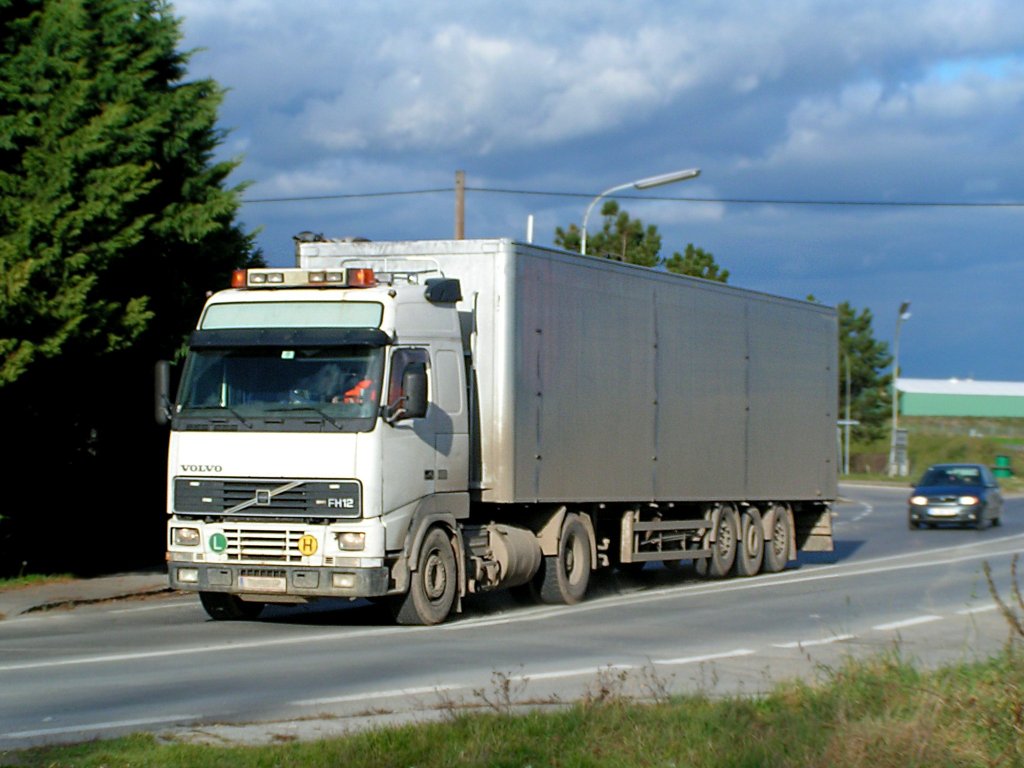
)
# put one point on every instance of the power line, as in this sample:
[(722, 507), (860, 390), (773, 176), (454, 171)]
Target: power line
[(718, 200), (356, 195)]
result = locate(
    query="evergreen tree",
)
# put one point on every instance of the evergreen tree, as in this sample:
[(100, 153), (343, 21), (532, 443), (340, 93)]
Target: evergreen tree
[(697, 263), (624, 238), (870, 395), (114, 222)]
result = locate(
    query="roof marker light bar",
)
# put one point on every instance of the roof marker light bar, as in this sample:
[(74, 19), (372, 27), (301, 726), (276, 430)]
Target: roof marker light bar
[(302, 278), (361, 278), (327, 278)]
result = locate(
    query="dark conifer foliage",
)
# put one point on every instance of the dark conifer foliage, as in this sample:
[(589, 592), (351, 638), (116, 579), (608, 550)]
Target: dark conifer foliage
[(115, 220)]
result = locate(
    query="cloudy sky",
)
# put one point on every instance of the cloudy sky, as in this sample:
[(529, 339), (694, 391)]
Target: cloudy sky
[(865, 151)]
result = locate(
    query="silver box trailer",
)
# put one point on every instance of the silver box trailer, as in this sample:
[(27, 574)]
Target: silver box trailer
[(520, 417), (598, 381)]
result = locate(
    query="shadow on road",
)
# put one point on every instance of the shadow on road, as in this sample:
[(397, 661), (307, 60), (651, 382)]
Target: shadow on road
[(606, 583)]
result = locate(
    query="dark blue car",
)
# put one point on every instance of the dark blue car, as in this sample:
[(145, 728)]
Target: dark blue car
[(966, 494)]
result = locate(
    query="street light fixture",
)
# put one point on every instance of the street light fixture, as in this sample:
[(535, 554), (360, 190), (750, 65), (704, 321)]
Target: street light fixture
[(894, 468), (652, 181)]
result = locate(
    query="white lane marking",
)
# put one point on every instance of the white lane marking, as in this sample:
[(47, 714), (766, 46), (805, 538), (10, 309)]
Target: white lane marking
[(528, 676), (765, 581), (907, 623), (375, 695), (868, 510), (523, 614), (98, 726), (164, 607), (980, 609), (188, 651), (706, 657), (810, 643)]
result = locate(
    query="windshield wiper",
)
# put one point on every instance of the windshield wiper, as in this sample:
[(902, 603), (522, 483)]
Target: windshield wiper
[(308, 407), (229, 409)]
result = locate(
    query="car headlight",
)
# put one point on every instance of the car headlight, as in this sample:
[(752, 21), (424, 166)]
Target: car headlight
[(918, 501), (968, 501), (186, 537), (351, 540)]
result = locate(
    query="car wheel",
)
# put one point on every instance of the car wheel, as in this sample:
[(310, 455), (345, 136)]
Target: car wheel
[(913, 525)]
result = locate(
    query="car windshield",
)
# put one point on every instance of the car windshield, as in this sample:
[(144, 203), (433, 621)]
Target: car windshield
[(338, 383), (969, 476)]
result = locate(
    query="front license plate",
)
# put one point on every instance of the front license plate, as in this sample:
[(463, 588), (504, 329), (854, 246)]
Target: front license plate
[(263, 583), (941, 512)]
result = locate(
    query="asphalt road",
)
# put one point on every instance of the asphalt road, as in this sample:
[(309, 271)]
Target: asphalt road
[(160, 665)]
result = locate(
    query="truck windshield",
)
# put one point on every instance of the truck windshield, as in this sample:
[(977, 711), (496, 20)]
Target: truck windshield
[(274, 387)]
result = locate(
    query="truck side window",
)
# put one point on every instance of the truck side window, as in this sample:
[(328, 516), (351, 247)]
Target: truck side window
[(400, 360)]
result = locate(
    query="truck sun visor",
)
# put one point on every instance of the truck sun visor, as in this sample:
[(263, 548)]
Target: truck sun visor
[(278, 337)]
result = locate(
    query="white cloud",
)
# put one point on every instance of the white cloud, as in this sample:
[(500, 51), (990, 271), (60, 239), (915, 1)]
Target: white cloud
[(807, 99)]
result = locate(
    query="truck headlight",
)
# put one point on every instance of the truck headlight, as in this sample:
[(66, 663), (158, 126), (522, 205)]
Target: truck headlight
[(351, 540), (186, 537)]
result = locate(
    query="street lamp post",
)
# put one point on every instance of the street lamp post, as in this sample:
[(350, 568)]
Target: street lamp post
[(652, 181), (894, 468)]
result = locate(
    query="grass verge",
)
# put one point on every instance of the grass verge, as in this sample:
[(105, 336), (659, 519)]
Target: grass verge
[(879, 713), (32, 580)]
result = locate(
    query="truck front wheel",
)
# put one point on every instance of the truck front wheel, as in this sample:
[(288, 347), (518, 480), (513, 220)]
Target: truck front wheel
[(564, 577), (224, 607), (432, 585)]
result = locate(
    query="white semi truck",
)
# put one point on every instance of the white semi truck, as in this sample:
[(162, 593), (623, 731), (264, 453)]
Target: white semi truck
[(418, 421)]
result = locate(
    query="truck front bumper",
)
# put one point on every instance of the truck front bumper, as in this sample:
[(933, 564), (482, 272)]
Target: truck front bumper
[(286, 583)]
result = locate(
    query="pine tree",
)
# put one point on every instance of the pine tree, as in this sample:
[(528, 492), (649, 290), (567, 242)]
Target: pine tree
[(870, 397), (624, 238), (697, 262)]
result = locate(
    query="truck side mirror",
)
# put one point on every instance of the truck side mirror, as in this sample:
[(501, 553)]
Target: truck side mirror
[(162, 393), (414, 385)]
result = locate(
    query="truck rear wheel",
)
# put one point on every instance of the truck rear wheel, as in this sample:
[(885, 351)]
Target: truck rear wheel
[(723, 549), (221, 606), (432, 585), (776, 551), (751, 543), (565, 576)]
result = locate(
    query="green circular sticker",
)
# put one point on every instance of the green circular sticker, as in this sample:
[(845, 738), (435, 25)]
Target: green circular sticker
[(218, 542)]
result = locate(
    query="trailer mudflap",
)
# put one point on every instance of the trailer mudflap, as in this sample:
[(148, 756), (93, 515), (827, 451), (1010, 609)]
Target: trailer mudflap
[(814, 532)]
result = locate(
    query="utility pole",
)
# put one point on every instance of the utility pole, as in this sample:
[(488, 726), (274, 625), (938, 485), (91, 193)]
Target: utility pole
[(460, 205)]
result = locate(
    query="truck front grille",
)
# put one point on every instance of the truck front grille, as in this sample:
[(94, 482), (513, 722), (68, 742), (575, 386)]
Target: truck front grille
[(276, 545), (262, 499)]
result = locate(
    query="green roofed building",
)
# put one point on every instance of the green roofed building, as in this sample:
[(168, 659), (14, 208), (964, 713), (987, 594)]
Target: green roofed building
[(960, 398)]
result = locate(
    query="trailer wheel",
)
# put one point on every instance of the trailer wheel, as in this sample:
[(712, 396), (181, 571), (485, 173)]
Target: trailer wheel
[(432, 585), (776, 551), (221, 606), (564, 577), (723, 549), (751, 545)]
